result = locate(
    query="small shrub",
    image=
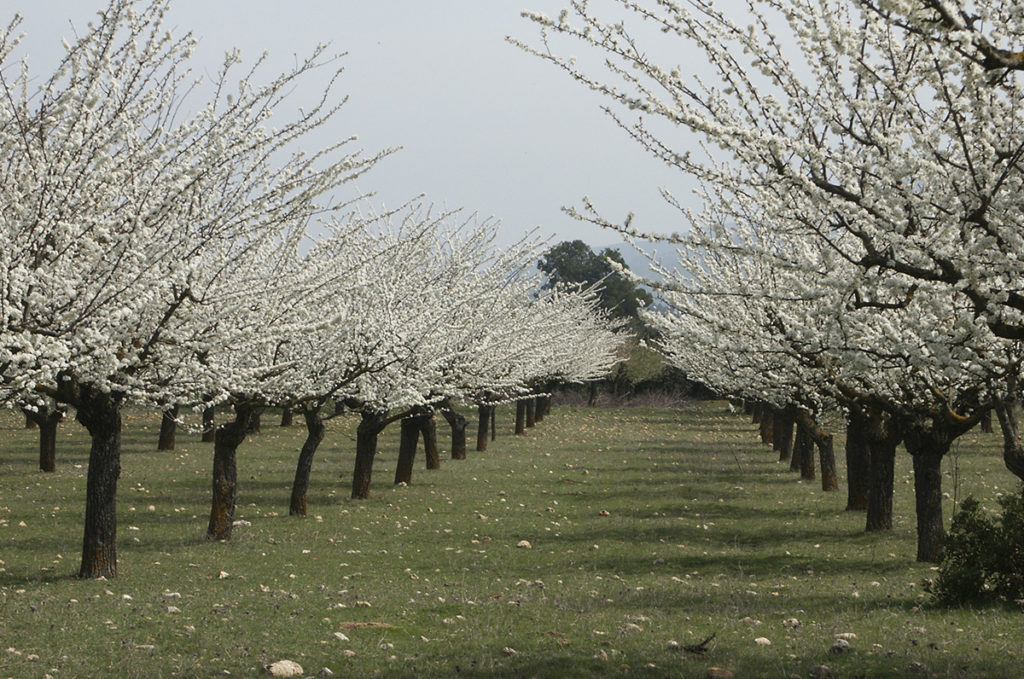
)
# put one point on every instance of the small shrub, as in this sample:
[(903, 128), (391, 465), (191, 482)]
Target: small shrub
[(984, 557)]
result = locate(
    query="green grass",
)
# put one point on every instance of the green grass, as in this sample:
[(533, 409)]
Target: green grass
[(646, 527)]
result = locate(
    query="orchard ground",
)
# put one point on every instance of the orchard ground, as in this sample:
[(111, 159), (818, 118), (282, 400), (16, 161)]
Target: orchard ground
[(648, 530)]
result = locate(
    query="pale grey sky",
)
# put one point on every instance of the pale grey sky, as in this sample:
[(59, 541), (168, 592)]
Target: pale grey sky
[(483, 125)]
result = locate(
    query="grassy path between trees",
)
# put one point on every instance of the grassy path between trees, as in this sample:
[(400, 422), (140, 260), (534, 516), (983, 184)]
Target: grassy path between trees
[(646, 528)]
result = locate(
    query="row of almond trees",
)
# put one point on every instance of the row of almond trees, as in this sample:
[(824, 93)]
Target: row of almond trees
[(860, 175), (169, 243)]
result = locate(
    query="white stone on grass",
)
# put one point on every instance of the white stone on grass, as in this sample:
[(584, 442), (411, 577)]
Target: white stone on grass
[(285, 668)]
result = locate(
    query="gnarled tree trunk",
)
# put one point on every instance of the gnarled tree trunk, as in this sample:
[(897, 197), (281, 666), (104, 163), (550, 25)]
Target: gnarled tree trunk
[(407, 442), (531, 412), (314, 436), (827, 460), (520, 417), (782, 430), (46, 418), (428, 428), (483, 412), (858, 463), (1013, 452), (458, 426), (883, 435), (168, 427), (542, 405), (255, 424), (803, 451), (986, 422), (826, 450), (209, 425), (371, 424), (928, 439), (287, 416), (765, 429), (100, 413), (225, 472)]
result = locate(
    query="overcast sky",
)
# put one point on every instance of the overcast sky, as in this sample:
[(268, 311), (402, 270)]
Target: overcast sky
[(482, 125)]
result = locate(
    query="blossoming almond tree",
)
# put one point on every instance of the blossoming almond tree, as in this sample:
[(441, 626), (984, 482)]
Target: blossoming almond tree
[(895, 146), (112, 194), (462, 320)]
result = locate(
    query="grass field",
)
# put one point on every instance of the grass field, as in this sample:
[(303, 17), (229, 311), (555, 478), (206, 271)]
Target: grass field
[(647, 530)]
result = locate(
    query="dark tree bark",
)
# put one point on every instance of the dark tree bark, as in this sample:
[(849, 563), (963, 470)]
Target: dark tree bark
[(410, 437), (458, 426), (880, 488), (48, 440), (520, 417), (541, 406), (826, 450), (209, 425), (1013, 452), (592, 394), (428, 428), (100, 414), (827, 460), (371, 424), (795, 459), (756, 411), (484, 415), (782, 430), (228, 437), (928, 439), (494, 422), (931, 533), (287, 417), (803, 451), (314, 436), (255, 423), (986, 422), (46, 418), (858, 463), (531, 412), (766, 426), (883, 435), (168, 428), (29, 422)]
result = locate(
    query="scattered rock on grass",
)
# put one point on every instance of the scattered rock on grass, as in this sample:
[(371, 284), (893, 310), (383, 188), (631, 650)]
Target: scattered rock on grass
[(839, 646), (508, 650), (524, 544), (719, 673), (822, 672), (285, 668), (762, 641)]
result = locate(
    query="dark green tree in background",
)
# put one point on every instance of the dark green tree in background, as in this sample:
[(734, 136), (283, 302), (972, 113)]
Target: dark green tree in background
[(575, 263)]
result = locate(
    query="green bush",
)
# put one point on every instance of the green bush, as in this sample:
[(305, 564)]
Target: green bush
[(984, 557)]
